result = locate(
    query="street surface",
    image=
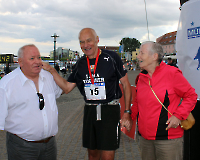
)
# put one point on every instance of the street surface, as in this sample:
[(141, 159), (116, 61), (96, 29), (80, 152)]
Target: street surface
[(69, 137)]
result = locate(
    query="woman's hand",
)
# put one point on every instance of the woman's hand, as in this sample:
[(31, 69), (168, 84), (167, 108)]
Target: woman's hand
[(173, 122)]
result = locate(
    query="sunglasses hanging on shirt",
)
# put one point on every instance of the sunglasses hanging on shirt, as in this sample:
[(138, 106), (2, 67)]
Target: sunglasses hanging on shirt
[(41, 101)]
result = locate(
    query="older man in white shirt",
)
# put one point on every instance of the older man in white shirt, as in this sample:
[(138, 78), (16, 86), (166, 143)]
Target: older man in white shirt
[(28, 110)]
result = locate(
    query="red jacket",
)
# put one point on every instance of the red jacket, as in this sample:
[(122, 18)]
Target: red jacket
[(170, 86)]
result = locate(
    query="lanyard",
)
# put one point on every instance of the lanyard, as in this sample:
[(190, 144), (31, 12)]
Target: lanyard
[(88, 63)]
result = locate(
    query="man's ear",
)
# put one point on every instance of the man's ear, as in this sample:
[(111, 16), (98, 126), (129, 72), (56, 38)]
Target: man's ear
[(20, 61)]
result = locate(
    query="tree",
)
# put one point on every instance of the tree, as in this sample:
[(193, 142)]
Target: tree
[(130, 44)]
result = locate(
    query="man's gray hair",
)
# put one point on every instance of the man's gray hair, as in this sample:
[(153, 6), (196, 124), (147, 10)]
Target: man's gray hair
[(21, 50), (155, 48), (91, 29)]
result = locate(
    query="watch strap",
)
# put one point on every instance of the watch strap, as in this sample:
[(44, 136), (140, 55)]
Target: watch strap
[(127, 111)]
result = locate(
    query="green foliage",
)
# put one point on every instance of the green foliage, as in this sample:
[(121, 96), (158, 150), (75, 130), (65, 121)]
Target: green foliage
[(130, 44)]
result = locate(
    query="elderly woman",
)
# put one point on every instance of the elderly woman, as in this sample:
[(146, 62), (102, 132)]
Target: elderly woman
[(161, 136)]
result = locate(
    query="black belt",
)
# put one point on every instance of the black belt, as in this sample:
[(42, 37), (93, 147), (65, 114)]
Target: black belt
[(114, 102), (46, 140)]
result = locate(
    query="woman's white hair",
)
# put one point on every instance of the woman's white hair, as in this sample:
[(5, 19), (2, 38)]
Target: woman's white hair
[(155, 48)]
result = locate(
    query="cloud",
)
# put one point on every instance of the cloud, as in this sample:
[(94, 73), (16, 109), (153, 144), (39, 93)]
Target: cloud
[(35, 21)]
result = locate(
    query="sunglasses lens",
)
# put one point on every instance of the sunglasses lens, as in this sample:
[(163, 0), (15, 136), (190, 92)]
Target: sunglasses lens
[(41, 105), (41, 101)]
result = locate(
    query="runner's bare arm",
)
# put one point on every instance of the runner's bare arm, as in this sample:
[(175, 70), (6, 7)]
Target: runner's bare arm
[(127, 91), (126, 118), (61, 82)]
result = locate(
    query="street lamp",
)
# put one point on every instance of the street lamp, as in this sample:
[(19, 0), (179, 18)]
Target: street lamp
[(54, 53), (62, 53)]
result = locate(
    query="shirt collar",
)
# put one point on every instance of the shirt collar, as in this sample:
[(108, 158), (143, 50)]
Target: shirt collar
[(161, 65), (23, 78)]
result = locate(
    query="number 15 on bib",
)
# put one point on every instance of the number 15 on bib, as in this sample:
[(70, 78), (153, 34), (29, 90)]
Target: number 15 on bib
[(95, 91)]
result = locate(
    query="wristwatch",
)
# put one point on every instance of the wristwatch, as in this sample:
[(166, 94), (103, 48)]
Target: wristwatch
[(127, 111)]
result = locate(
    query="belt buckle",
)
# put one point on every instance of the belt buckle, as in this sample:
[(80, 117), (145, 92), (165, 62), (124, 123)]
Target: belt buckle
[(114, 102)]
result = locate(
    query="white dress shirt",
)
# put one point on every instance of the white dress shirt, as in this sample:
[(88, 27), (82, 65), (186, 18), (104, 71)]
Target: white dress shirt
[(19, 105)]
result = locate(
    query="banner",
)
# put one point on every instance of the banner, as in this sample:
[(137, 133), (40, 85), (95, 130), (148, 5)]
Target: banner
[(188, 43), (121, 48)]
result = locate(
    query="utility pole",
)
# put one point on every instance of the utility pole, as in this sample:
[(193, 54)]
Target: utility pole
[(54, 52)]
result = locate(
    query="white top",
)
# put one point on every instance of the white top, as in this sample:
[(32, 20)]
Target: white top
[(19, 105)]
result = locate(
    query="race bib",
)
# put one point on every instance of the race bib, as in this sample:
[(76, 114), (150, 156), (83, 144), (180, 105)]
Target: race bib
[(95, 91)]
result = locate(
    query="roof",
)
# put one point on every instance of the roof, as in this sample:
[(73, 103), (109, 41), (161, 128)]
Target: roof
[(168, 38)]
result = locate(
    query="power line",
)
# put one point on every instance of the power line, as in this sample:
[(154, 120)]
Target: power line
[(146, 19)]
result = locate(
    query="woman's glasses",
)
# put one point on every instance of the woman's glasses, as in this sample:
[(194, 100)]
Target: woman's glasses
[(41, 101)]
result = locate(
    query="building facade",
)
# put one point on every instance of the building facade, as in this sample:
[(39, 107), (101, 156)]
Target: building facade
[(168, 42), (64, 53), (135, 53)]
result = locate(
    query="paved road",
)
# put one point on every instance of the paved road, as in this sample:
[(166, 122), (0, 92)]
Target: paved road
[(69, 137)]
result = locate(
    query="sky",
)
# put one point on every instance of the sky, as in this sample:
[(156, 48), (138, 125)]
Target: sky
[(35, 21)]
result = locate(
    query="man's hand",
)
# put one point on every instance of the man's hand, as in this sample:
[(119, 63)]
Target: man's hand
[(126, 121), (47, 67), (61, 82), (173, 122)]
